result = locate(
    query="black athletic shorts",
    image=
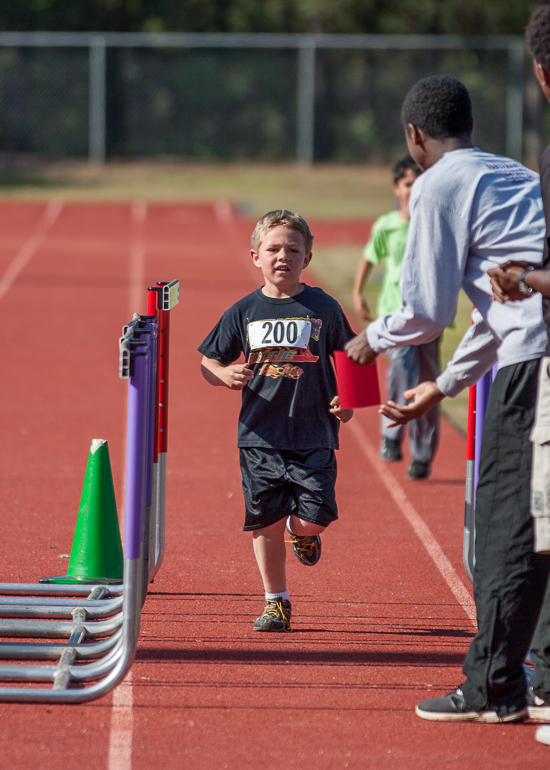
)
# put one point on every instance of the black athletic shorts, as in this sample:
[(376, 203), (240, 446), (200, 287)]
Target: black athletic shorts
[(278, 482)]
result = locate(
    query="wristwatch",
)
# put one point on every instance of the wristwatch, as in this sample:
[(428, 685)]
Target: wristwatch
[(522, 286)]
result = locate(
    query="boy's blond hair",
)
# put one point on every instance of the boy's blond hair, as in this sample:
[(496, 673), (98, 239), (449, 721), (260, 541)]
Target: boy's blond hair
[(281, 218)]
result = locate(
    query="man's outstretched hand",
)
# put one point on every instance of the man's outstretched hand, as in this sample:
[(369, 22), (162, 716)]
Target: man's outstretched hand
[(424, 396), (359, 350)]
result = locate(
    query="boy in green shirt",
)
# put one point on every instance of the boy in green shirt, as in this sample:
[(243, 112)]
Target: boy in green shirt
[(409, 365)]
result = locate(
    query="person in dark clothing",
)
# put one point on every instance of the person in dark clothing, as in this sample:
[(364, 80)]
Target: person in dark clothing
[(472, 211), (515, 281)]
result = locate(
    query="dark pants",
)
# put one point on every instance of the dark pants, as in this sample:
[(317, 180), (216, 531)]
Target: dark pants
[(510, 580)]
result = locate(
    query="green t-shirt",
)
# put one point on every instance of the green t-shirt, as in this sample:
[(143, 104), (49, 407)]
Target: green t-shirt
[(387, 241)]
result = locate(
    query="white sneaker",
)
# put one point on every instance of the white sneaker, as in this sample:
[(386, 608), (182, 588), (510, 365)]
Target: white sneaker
[(543, 734), (538, 708)]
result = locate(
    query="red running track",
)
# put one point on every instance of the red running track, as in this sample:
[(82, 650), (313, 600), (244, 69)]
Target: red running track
[(383, 621)]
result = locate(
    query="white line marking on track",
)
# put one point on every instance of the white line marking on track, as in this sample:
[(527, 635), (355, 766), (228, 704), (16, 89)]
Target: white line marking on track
[(137, 257), (122, 726), (31, 246), (417, 523), (224, 212), (122, 718)]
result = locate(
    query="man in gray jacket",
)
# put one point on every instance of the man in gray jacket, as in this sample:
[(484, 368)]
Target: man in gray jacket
[(471, 211)]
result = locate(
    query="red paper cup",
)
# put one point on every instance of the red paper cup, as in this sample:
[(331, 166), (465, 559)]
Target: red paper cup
[(357, 385)]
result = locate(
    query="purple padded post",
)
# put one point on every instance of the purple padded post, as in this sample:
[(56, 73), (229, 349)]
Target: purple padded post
[(136, 454)]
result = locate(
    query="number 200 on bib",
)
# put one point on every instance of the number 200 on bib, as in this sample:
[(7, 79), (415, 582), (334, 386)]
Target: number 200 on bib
[(279, 333)]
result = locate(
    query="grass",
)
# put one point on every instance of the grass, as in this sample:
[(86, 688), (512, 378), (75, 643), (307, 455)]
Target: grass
[(323, 191)]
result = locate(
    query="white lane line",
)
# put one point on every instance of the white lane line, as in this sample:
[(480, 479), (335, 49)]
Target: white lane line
[(122, 726), (31, 246), (420, 527), (137, 258), (122, 716), (224, 211)]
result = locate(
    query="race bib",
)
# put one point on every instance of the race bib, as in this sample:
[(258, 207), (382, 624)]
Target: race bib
[(281, 333)]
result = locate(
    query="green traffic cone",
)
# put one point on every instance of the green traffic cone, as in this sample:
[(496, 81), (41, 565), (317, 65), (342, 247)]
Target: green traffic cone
[(96, 555)]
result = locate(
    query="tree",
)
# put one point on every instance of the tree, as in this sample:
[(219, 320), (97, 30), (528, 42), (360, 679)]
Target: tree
[(462, 17)]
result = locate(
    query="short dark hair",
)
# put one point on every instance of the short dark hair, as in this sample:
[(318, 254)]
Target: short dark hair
[(537, 33), (400, 168), (440, 106)]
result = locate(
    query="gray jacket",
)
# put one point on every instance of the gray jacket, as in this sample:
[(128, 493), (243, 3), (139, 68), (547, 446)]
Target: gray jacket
[(469, 212)]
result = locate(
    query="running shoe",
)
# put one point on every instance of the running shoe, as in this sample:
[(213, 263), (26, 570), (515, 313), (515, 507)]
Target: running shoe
[(276, 616), (418, 470), (390, 451), (543, 734), (453, 708), (537, 707), (307, 548)]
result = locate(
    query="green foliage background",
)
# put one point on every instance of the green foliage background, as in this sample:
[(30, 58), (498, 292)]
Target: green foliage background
[(229, 104), (462, 17)]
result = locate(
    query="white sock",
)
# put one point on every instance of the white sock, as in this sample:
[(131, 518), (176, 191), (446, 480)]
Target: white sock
[(282, 594), (289, 528)]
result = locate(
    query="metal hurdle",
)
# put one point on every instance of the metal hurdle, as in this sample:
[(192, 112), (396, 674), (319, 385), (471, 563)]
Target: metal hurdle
[(143, 515), (477, 406), (160, 300)]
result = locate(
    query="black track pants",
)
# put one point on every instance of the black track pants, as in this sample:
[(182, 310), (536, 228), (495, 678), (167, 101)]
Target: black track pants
[(509, 579)]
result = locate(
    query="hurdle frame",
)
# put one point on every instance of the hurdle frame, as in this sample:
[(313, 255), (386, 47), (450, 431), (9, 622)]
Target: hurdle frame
[(114, 655)]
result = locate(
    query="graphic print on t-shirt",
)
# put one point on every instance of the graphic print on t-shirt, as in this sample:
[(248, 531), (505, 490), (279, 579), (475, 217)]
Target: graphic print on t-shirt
[(288, 406), (275, 340)]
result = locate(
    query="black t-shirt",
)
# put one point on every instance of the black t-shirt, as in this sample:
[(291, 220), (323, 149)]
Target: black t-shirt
[(545, 190), (287, 343)]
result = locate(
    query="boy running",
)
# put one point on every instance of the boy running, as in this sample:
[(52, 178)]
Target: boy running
[(410, 364), (289, 419)]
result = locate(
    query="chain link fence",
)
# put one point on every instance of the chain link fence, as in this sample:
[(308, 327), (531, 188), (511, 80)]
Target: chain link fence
[(359, 97), (44, 101), (206, 104), (244, 97)]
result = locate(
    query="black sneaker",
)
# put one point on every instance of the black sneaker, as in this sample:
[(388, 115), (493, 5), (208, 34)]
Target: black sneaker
[(453, 708), (390, 451), (307, 548), (418, 470), (537, 707), (276, 616)]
